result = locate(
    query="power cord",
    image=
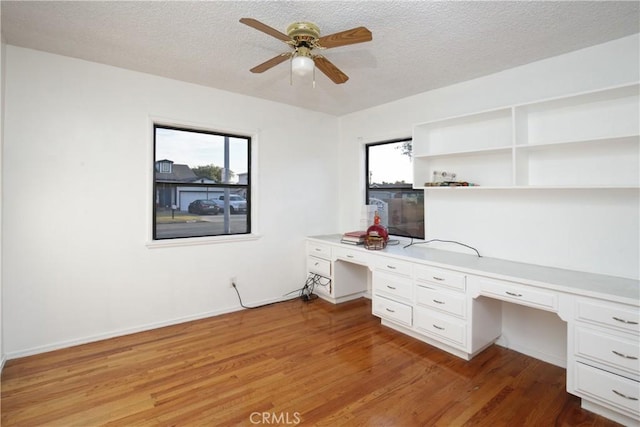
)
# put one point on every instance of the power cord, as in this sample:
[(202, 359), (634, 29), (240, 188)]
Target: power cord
[(444, 241), (313, 280), (257, 306), (305, 293)]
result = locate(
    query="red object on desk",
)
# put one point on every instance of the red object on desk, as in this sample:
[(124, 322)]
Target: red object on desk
[(377, 229)]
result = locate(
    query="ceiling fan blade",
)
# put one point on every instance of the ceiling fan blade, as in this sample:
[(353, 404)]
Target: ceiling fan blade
[(343, 38), (330, 70), (265, 29), (270, 63)]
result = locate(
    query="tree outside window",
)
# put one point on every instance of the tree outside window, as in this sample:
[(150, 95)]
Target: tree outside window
[(202, 183), (390, 187)]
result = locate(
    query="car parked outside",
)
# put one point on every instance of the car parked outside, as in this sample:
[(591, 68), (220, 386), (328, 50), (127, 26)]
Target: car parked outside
[(237, 204), (204, 207)]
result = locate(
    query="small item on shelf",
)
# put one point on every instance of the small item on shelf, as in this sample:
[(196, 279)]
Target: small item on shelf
[(443, 176), (377, 235), (447, 179), (353, 237), (450, 184)]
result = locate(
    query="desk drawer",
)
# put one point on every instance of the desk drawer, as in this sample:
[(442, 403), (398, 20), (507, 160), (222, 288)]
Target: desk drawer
[(351, 255), (609, 349), (319, 266), (519, 294), (449, 302), (618, 316), (612, 389), (443, 327), (319, 250), (392, 310), (392, 285), (393, 266), (442, 277)]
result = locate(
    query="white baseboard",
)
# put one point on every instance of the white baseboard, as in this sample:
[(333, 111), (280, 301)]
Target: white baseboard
[(118, 333), (435, 343), (608, 413), (3, 360)]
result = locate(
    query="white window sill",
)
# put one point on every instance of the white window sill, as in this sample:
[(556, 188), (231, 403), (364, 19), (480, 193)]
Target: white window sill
[(196, 241)]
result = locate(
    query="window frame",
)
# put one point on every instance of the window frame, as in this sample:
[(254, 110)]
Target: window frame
[(251, 231), (409, 187)]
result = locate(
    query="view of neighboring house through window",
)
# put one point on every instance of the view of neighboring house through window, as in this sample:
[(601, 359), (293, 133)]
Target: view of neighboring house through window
[(202, 183), (389, 187)]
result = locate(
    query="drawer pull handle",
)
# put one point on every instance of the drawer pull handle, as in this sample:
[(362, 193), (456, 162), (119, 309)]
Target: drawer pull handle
[(624, 355), (438, 327), (318, 250), (624, 395), (441, 279), (628, 322), (391, 267), (438, 302), (349, 256), (513, 294), (389, 310), (391, 287), (316, 264)]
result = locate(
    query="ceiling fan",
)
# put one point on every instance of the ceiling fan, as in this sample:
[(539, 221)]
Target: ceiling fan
[(304, 38)]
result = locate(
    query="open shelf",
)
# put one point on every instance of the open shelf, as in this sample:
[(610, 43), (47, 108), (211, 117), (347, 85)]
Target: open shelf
[(607, 113), (586, 140), (533, 187), (489, 168), (607, 162), (482, 151), (633, 139), (485, 130)]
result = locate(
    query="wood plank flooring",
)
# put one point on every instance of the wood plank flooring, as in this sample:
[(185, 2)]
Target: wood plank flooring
[(293, 363)]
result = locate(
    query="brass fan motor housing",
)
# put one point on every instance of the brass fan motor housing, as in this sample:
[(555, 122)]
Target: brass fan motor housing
[(304, 32)]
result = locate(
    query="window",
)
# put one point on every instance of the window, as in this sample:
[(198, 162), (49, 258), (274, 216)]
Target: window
[(202, 183), (389, 187)]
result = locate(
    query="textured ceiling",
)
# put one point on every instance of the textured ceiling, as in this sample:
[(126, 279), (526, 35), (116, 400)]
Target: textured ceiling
[(417, 45)]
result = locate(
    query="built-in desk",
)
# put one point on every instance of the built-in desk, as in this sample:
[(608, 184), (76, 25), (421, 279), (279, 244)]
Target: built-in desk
[(454, 301)]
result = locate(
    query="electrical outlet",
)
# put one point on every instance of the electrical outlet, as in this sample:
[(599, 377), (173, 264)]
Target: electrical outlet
[(232, 281)]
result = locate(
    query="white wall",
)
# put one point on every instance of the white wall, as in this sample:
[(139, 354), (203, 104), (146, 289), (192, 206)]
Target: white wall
[(75, 193), (595, 231), (590, 230), (2, 80), (77, 156)]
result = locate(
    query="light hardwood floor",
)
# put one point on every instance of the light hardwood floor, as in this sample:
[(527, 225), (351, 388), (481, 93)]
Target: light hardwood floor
[(293, 363)]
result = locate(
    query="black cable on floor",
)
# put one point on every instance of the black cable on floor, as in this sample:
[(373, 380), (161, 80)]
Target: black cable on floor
[(305, 293)]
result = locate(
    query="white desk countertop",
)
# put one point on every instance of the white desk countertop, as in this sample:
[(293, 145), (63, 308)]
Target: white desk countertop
[(610, 288)]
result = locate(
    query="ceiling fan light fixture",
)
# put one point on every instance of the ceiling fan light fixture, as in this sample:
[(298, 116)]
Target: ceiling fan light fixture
[(304, 38), (302, 65)]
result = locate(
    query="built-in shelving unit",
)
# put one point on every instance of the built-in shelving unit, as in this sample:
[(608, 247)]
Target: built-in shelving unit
[(586, 140)]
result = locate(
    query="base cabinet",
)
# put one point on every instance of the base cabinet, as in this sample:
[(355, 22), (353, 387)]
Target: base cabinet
[(610, 390), (431, 304), (460, 310), (604, 359), (325, 263), (392, 287), (319, 267)]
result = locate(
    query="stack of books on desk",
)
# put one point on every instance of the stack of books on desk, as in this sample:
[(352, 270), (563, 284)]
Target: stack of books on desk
[(354, 237)]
